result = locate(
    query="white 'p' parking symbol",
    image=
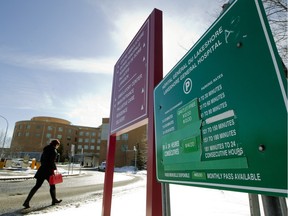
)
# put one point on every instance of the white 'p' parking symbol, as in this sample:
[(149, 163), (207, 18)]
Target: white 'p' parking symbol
[(187, 86)]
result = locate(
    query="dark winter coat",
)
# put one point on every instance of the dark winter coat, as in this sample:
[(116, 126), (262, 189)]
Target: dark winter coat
[(48, 165)]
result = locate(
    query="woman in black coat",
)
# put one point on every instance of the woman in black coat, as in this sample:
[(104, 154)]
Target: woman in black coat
[(46, 169)]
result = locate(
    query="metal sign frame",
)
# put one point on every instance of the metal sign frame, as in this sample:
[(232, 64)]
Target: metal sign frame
[(221, 112), (136, 75)]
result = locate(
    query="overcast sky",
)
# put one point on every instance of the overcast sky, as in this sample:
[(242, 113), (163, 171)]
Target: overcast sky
[(57, 57)]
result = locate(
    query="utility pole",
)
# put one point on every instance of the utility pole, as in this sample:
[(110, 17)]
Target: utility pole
[(4, 139), (135, 152)]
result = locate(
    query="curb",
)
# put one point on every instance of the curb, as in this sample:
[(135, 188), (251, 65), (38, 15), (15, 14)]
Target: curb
[(11, 178)]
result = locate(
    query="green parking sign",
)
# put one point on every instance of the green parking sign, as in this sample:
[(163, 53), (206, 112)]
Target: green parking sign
[(221, 112)]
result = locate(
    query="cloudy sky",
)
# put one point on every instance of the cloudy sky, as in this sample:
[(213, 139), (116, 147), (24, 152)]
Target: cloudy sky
[(57, 57)]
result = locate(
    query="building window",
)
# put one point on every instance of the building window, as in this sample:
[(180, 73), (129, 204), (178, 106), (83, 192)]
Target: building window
[(80, 140), (86, 140), (99, 141), (60, 129), (124, 136), (19, 134), (59, 136), (79, 147), (85, 147), (49, 128), (93, 140), (92, 147), (87, 134), (81, 133), (97, 147), (20, 126), (27, 134), (28, 126), (38, 127), (93, 133), (37, 135), (48, 135)]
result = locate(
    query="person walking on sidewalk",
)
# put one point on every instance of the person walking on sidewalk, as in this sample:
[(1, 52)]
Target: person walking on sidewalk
[(46, 169)]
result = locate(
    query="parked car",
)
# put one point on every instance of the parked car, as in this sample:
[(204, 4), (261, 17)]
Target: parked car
[(20, 163), (102, 166), (17, 162)]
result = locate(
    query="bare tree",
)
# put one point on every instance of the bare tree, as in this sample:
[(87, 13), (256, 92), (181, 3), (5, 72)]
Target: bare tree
[(276, 11)]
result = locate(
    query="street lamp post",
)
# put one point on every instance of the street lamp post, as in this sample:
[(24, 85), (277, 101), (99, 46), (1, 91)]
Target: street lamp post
[(135, 151), (2, 153)]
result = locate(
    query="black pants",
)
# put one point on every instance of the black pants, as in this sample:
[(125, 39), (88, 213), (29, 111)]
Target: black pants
[(38, 184)]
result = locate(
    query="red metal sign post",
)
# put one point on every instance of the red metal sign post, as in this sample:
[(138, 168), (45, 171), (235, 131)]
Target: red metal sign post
[(136, 73), (154, 195), (108, 184)]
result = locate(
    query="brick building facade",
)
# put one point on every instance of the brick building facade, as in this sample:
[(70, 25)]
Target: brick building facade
[(31, 136), (80, 144)]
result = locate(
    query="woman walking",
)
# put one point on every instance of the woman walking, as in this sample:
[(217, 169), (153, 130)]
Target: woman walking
[(46, 169)]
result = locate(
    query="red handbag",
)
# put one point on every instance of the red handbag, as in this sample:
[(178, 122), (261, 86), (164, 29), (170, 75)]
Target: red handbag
[(56, 178)]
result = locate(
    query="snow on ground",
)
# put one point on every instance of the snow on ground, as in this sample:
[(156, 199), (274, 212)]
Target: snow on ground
[(185, 200)]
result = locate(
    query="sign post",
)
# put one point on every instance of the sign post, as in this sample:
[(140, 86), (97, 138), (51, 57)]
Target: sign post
[(136, 73), (221, 112)]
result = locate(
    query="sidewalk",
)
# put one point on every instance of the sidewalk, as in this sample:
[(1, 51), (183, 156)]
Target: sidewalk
[(13, 173), (184, 201), (131, 200), (134, 194), (27, 173)]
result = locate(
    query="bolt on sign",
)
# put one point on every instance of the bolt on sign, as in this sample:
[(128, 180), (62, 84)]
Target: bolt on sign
[(220, 113)]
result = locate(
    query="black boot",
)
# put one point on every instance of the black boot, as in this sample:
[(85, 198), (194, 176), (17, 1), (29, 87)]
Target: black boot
[(53, 195), (26, 205), (29, 197), (54, 202)]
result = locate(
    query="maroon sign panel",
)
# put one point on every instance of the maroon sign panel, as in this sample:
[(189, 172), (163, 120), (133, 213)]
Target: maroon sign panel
[(130, 83), (136, 73)]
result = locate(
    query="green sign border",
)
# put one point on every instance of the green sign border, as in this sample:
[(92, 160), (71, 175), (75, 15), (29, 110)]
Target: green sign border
[(235, 138)]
